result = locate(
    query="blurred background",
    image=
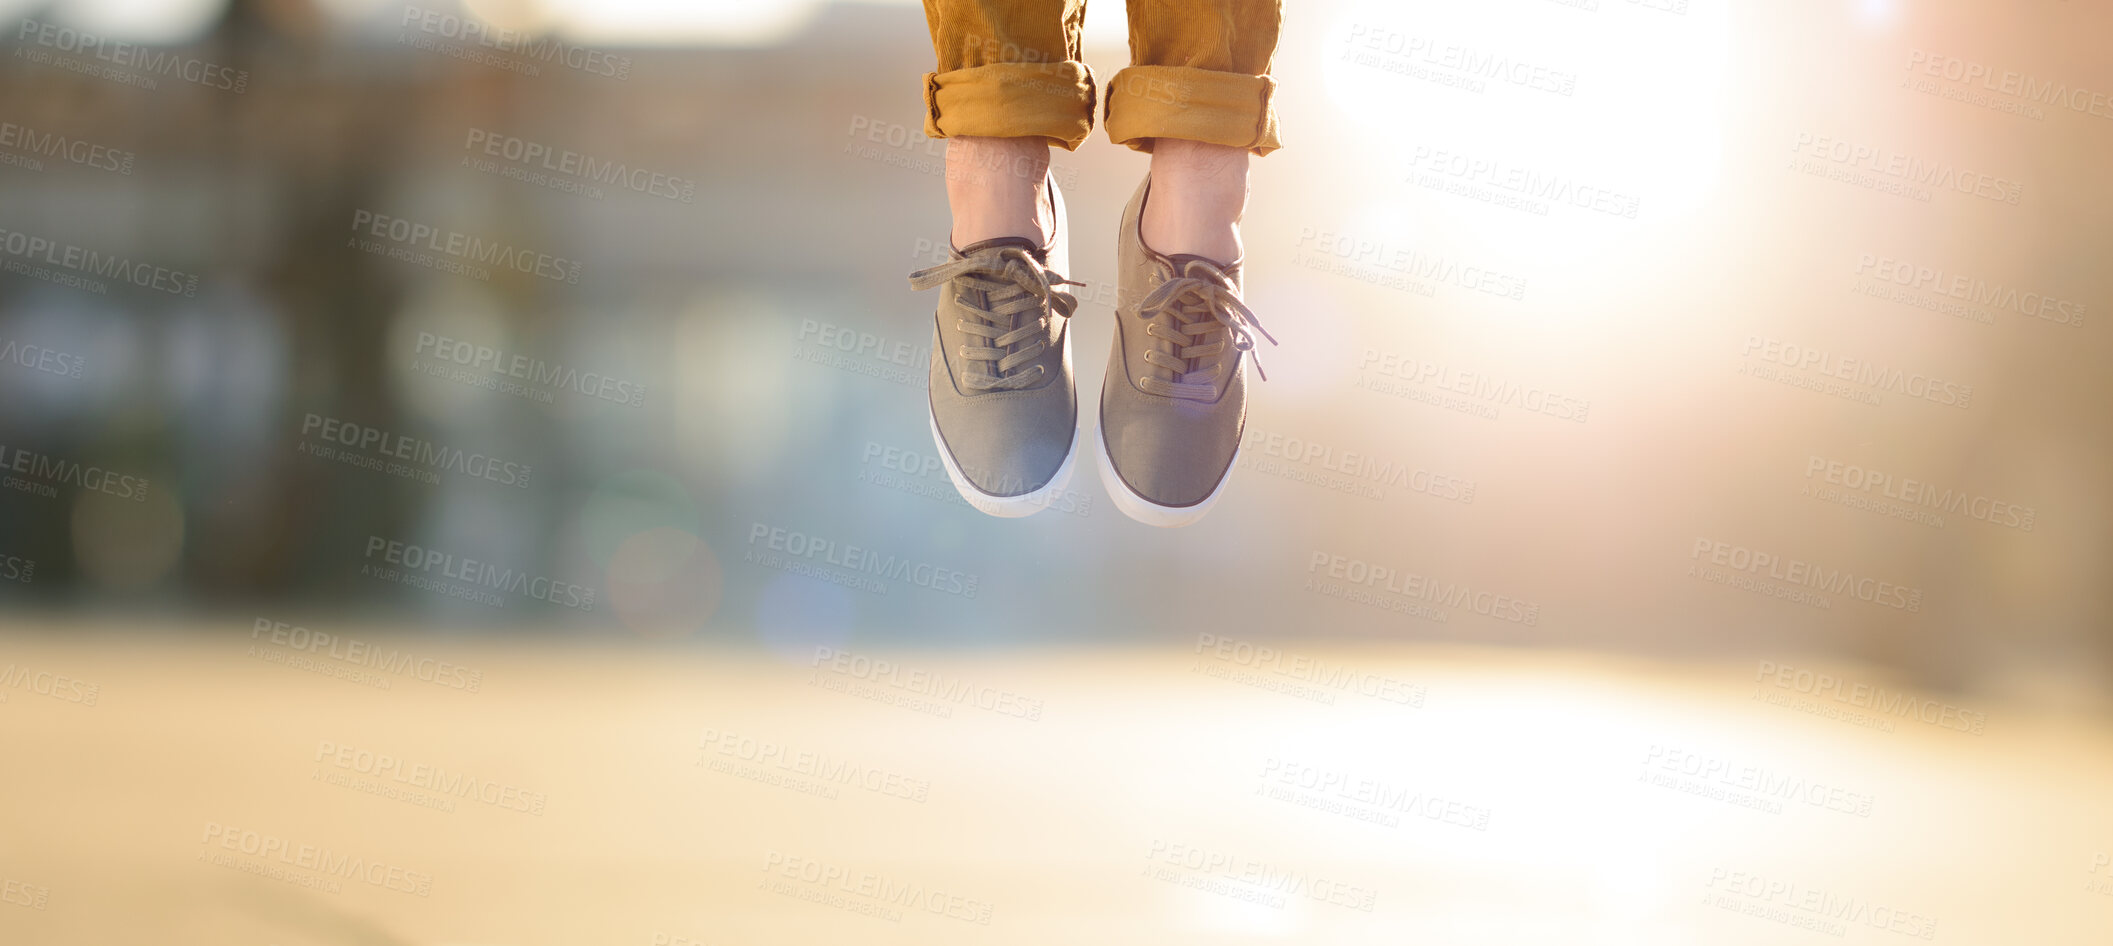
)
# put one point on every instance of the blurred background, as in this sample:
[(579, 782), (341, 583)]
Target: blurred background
[(1635, 354)]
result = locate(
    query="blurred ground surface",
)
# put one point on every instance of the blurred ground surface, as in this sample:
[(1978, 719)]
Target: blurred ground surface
[(1157, 796)]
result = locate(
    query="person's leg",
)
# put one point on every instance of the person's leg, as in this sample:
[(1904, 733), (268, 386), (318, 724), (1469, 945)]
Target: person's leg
[(994, 188), (1199, 192), (1197, 96), (1009, 84), (1004, 409)]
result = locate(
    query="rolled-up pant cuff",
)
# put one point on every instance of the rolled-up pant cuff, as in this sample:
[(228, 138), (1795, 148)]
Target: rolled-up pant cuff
[(1012, 100), (1221, 108)]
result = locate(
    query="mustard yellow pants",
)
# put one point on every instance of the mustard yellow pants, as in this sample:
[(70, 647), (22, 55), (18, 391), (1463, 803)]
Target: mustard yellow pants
[(1199, 70)]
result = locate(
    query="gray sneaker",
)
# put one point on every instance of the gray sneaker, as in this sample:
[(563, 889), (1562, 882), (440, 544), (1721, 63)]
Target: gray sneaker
[(1175, 398), (1004, 411)]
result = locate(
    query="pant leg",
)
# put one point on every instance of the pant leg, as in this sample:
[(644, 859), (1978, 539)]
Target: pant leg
[(1199, 70), (1008, 69)]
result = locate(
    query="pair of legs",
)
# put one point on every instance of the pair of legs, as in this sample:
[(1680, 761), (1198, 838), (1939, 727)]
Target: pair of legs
[(1197, 96), (1003, 402)]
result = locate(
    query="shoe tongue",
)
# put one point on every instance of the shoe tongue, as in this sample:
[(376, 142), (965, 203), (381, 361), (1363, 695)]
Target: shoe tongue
[(1181, 263), (1040, 255)]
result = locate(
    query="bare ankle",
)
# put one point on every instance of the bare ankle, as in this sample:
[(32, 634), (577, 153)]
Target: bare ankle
[(1199, 193), (994, 186)]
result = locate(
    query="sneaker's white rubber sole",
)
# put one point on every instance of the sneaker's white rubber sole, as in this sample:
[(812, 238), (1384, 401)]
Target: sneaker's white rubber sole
[(1146, 511), (1007, 507)]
